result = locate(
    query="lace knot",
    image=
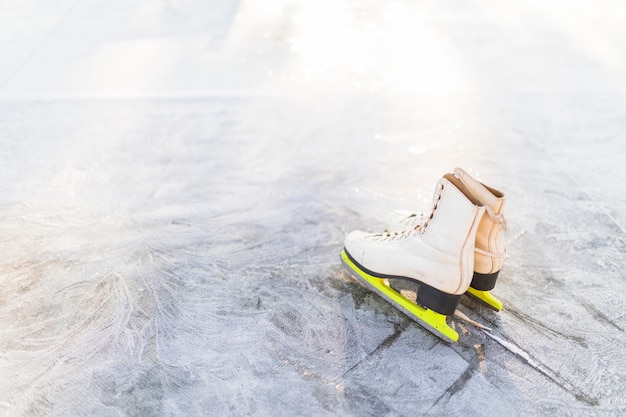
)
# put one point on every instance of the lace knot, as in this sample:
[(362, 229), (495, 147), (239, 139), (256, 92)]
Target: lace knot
[(498, 218)]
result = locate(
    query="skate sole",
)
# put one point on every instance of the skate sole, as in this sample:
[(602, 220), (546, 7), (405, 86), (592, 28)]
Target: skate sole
[(429, 319), (485, 297)]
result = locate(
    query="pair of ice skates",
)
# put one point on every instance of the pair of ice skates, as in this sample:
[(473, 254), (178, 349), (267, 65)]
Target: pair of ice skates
[(455, 249)]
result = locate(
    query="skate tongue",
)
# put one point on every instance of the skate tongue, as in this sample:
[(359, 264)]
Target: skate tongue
[(462, 316)]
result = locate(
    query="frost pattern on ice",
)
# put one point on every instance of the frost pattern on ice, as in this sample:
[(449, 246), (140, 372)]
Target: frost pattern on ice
[(170, 262), (181, 257)]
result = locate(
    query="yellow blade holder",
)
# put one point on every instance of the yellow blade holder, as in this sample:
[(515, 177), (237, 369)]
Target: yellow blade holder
[(485, 297), (431, 320)]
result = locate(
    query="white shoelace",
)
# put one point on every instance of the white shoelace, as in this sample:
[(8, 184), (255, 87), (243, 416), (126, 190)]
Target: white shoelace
[(416, 228), (498, 218), (419, 223)]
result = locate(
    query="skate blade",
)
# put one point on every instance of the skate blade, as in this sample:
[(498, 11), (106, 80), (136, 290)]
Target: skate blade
[(486, 298), (430, 319)]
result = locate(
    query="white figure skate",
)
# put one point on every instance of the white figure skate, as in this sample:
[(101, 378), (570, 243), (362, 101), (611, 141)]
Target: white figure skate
[(437, 254), (490, 248)]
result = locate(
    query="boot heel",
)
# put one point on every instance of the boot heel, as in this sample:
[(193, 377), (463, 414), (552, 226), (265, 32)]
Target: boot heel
[(484, 282), (439, 301)]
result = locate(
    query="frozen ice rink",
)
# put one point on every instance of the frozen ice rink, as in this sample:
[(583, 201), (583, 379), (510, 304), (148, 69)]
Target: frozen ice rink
[(177, 178)]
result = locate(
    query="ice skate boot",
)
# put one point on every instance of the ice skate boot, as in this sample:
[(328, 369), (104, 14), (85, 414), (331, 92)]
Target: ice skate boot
[(489, 246), (437, 254)]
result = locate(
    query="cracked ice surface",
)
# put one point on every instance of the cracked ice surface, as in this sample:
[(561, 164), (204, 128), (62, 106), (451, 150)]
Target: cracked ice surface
[(177, 178)]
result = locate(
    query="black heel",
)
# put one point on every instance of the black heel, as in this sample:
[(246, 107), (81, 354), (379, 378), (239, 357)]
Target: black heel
[(439, 301), (484, 282)]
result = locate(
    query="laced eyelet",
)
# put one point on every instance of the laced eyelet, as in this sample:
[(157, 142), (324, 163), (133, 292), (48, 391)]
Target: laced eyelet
[(386, 236), (436, 199)]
